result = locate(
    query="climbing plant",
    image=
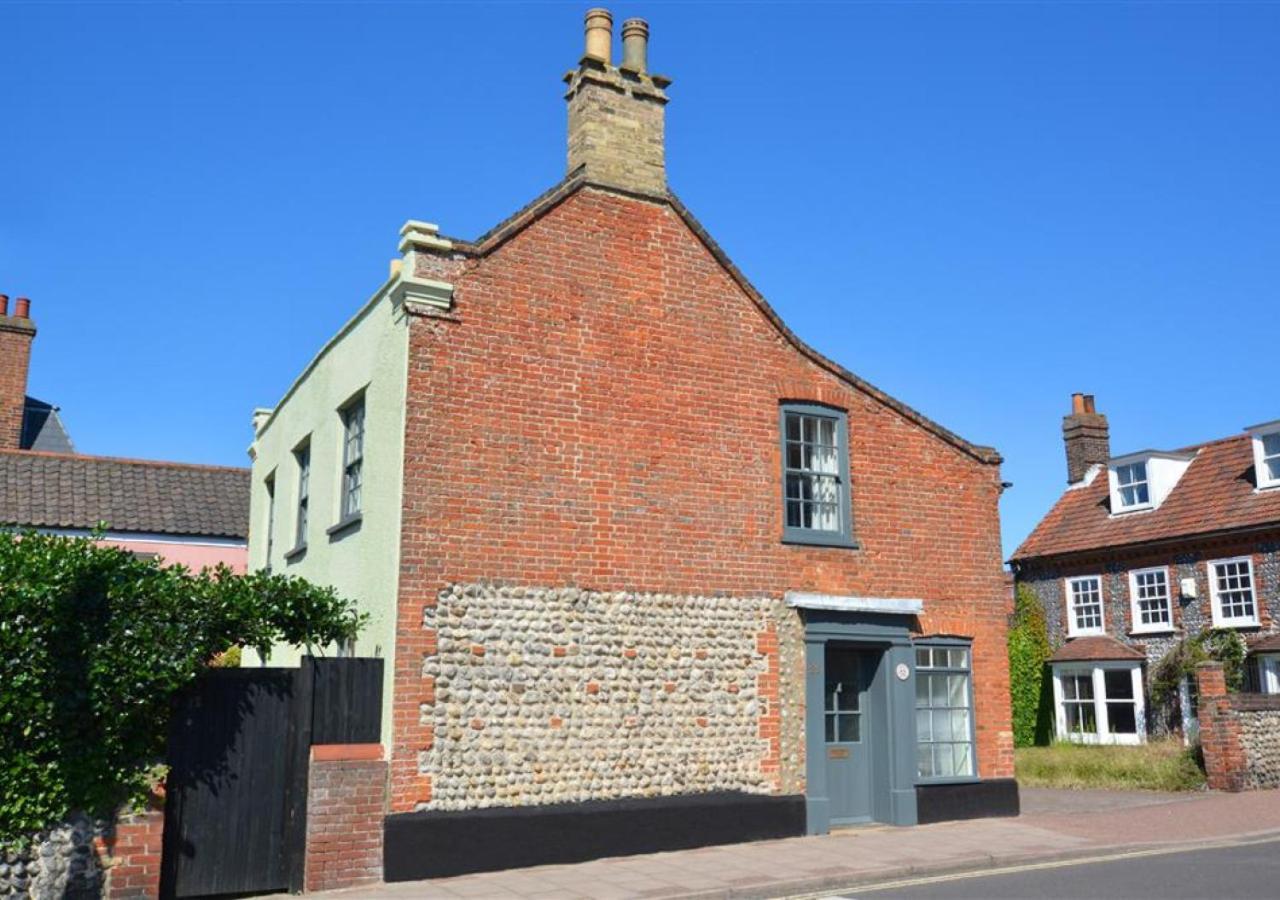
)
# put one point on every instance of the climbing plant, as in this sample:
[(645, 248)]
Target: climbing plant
[(93, 644), (1029, 685), (1220, 644)]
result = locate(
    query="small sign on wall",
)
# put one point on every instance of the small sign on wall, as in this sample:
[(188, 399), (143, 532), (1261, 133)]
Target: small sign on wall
[(903, 671)]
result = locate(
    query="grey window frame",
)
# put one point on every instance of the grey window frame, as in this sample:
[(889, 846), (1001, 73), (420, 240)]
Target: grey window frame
[(348, 512), (302, 504), (844, 537), (269, 484), (957, 643)]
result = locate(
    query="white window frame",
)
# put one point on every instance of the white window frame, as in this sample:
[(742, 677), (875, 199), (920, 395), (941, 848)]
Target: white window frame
[(1136, 611), (1219, 620), (1260, 458), (1073, 629), (1097, 672), (1145, 482)]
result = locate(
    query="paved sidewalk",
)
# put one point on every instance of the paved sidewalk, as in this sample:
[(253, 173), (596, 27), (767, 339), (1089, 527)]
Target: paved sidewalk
[(845, 859)]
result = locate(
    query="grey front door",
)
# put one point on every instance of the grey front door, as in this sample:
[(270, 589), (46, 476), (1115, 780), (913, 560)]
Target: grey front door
[(846, 728)]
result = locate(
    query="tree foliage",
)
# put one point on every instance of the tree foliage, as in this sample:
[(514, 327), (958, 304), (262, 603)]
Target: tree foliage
[(1029, 687), (93, 645)]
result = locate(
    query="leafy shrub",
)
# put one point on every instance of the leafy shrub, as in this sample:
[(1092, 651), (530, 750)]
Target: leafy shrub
[(93, 644), (1029, 685), (1163, 765), (1220, 644)]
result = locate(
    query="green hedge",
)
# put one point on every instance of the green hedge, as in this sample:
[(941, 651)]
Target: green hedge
[(1029, 685), (93, 644)]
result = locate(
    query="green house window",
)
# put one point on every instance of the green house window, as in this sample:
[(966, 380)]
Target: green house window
[(944, 713), (815, 475)]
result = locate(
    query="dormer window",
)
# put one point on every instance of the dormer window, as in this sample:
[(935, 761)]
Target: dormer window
[(1141, 481), (1266, 454), (1131, 486)]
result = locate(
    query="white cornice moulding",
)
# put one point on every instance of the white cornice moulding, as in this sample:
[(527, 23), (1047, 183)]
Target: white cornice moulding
[(903, 606), (423, 292)]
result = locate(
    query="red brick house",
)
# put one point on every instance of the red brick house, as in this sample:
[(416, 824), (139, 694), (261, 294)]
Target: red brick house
[(1144, 550), (641, 544)]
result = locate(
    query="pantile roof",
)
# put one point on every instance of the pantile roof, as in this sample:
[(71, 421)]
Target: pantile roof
[(1098, 647), (1217, 492), (60, 490)]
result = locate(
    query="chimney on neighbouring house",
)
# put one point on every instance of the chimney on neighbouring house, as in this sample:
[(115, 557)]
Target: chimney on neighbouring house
[(16, 334), (616, 112), (1086, 436)]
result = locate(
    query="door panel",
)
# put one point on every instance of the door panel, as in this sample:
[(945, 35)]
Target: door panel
[(847, 739)]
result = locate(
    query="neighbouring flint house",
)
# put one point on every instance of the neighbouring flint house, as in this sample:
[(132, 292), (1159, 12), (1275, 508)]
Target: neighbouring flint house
[(624, 536), (194, 515), (1144, 550)]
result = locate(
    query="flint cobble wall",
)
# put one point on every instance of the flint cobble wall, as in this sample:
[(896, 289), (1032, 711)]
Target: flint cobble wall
[(546, 695), (1259, 736)]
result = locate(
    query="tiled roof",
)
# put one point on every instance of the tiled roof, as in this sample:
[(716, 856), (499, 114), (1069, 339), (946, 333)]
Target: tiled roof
[(1098, 648), (1268, 644), (58, 490), (1216, 493)]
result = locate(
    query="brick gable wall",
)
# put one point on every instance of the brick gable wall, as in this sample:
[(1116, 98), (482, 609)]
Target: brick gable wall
[(601, 411)]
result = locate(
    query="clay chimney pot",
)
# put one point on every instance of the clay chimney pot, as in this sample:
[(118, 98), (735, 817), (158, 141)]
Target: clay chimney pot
[(635, 45), (4, 304), (22, 308), (599, 28)]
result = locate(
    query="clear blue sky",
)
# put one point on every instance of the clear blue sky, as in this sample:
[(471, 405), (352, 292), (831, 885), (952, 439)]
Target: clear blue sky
[(979, 207)]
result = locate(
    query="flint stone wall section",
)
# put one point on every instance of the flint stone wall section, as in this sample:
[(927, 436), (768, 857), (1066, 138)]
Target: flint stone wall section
[(1258, 718), (554, 695)]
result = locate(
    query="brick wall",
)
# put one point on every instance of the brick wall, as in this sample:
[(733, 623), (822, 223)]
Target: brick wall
[(1239, 734), (601, 411), (16, 335), (130, 855), (346, 803)]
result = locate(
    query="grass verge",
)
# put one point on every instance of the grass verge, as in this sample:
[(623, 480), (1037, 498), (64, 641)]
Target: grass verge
[(1163, 765)]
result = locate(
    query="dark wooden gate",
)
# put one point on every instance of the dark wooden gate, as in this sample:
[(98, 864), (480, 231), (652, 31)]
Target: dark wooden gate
[(239, 751)]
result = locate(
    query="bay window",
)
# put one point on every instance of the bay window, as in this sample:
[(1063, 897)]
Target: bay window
[(1099, 703)]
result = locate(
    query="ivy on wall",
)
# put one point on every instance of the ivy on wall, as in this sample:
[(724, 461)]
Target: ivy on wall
[(93, 644), (1030, 687)]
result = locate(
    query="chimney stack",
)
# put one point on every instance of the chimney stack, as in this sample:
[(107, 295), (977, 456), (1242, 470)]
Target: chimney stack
[(616, 115), (16, 334), (1086, 436)]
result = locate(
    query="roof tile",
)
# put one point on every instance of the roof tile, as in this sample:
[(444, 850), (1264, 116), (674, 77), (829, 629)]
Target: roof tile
[(59, 490)]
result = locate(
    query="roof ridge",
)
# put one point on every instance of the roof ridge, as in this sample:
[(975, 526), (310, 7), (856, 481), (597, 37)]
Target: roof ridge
[(155, 463)]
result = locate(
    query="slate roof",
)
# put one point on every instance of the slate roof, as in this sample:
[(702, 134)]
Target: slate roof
[(59, 490), (42, 428), (1098, 647), (1216, 493)]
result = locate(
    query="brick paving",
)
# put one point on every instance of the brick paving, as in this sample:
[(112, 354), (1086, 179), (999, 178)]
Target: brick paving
[(1057, 827)]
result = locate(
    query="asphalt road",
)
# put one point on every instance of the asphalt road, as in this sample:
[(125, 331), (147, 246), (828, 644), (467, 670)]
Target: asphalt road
[(1242, 870)]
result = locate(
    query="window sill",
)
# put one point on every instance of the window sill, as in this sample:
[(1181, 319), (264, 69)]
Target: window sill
[(346, 526), (1236, 623), (1152, 632), (817, 540), (296, 553)]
